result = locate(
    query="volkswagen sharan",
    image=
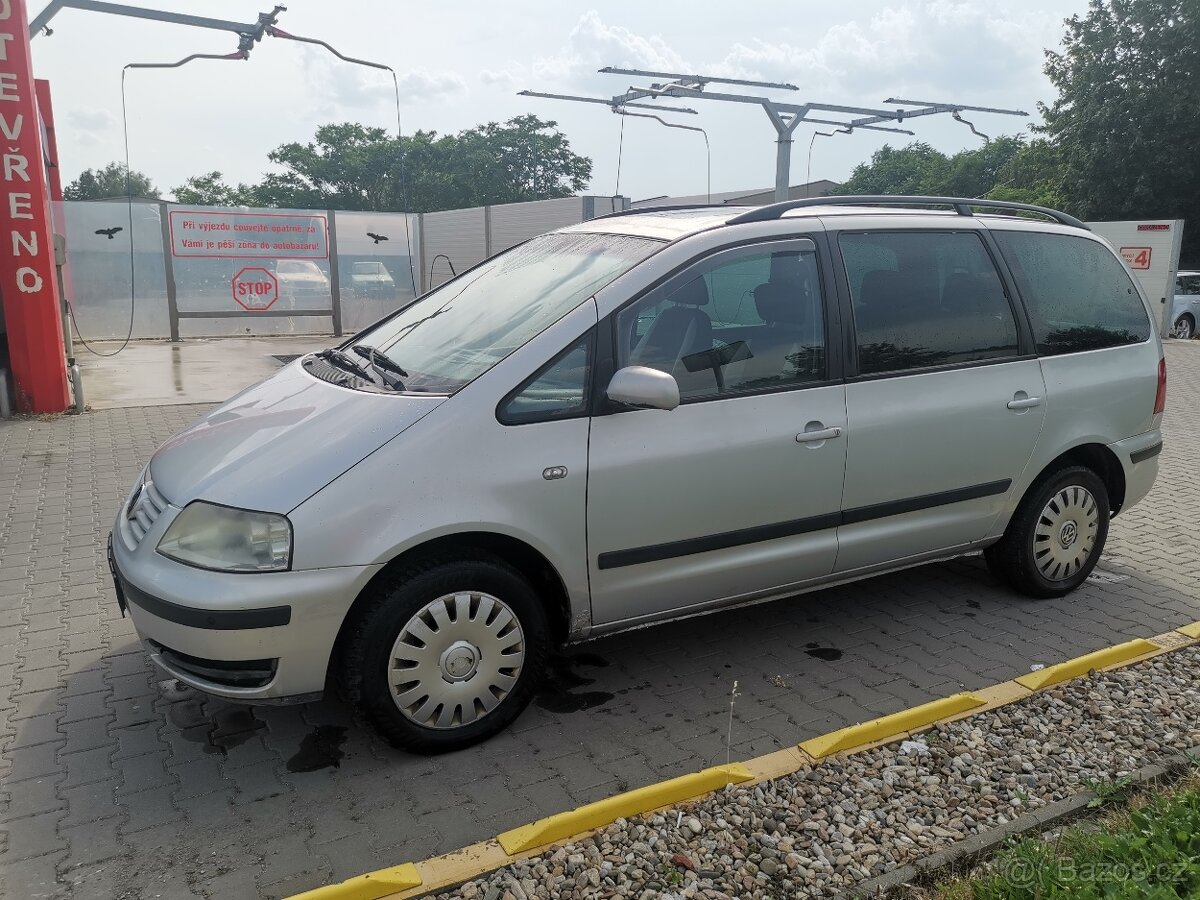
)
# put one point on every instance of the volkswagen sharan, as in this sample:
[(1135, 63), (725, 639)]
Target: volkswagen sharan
[(646, 416)]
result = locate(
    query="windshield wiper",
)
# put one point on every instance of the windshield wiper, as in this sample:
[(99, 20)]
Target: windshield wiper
[(382, 366), (378, 358), (347, 363)]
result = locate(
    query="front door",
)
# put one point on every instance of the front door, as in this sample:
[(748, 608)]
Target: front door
[(945, 410), (737, 491)]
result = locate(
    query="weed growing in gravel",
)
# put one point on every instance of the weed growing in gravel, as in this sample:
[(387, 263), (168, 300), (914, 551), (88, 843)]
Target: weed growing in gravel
[(1108, 791)]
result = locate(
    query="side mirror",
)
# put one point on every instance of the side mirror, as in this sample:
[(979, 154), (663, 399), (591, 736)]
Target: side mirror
[(643, 388)]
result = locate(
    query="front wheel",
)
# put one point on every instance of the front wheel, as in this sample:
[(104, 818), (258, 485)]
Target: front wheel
[(1056, 536), (1184, 328), (446, 654)]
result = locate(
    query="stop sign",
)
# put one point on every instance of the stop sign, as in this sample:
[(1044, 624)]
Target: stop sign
[(255, 288)]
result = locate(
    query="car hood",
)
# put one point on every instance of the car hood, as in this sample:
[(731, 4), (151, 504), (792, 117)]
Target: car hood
[(277, 443)]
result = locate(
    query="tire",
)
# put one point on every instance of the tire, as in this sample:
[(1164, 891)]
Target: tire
[(1045, 550), (1185, 327), (460, 609)]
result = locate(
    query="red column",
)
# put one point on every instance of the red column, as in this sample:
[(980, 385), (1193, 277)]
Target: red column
[(27, 282)]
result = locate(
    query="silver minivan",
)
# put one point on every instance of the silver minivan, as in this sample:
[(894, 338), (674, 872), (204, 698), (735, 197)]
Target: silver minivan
[(646, 416)]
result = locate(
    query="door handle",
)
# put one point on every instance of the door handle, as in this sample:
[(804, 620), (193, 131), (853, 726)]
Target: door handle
[(1025, 403), (824, 434)]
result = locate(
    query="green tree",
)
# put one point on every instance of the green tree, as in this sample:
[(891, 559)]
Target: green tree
[(915, 169), (1033, 175), (109, 183), (1125, 123), (210, 189), (352, 166)]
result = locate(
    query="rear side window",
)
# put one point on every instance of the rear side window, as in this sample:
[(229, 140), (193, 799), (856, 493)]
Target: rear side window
[(1078, 294), (925, 298)]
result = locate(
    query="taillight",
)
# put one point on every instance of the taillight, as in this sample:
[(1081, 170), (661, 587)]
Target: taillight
[(1160, 399)]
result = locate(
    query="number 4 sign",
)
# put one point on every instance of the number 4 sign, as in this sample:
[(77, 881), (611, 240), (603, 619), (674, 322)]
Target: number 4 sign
[(1137, 257)]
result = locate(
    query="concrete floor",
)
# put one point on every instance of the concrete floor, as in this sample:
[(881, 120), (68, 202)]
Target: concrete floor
[(203, 370)]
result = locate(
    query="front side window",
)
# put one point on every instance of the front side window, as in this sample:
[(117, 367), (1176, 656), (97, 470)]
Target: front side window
[(460, 330), (1078, 294), (924, 298), (558, 391), (747, 323)]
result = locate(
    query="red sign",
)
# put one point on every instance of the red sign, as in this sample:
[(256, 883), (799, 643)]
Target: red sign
[(254, 288), (27, 281), (1154, 226), (1137, 257)]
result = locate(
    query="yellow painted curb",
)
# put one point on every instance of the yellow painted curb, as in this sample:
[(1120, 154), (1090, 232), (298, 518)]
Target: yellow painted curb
[(889, 727), (1081, 665), (371, 886), (605, 812), (1192, 631), (478, 859)]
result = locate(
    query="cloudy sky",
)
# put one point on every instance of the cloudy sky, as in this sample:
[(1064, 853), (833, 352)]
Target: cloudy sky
[(462, 62)]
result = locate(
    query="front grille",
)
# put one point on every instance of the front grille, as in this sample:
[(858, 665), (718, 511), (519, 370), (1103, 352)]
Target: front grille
[(142, 511)]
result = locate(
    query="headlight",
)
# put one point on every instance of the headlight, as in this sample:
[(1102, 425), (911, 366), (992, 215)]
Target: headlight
[(228, 540)]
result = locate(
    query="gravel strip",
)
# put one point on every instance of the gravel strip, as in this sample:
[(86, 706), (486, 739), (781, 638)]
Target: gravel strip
[(823, 829)]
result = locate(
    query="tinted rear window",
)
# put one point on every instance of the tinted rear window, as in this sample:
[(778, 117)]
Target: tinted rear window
[(926, 298), (1079, 295)]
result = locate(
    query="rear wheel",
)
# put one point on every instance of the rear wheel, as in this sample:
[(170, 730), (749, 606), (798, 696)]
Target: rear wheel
[(1056, 536), (446, 654), (1185, 327)]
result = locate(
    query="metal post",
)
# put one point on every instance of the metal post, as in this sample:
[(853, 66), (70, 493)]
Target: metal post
[(335, 283), (164, 219), (785, 127), (487, 232)]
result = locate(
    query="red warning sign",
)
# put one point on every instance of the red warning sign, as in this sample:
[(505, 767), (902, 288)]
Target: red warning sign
[(255, 288), (1137, 257)]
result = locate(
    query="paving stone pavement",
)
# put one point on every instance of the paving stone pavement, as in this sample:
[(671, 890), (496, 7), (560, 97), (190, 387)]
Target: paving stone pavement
[(115, 782)]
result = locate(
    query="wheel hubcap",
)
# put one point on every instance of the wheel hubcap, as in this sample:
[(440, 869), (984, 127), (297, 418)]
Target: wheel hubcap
[(460, 661), (1066, 533), (456, 660)]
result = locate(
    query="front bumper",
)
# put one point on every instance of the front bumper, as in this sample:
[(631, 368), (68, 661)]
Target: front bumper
[(263, 637)]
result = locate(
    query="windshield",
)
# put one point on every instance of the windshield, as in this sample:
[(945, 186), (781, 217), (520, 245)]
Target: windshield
[(368, 268), (459, 331)]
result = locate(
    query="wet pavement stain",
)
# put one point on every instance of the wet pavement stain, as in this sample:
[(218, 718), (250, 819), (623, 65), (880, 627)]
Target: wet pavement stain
[(321, 749), (974, 604), (220, 733), (557, 692), (828, 654)]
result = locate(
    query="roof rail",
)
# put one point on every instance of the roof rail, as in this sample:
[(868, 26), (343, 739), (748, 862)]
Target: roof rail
[(961, 205), (633, 211)]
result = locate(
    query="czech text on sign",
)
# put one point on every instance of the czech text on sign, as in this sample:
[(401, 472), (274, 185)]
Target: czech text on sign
[(250, 235), (255, 288), (1137, 257)]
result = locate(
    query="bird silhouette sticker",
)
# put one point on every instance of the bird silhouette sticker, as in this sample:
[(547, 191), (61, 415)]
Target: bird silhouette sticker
[(109, 232), (376, 237)]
